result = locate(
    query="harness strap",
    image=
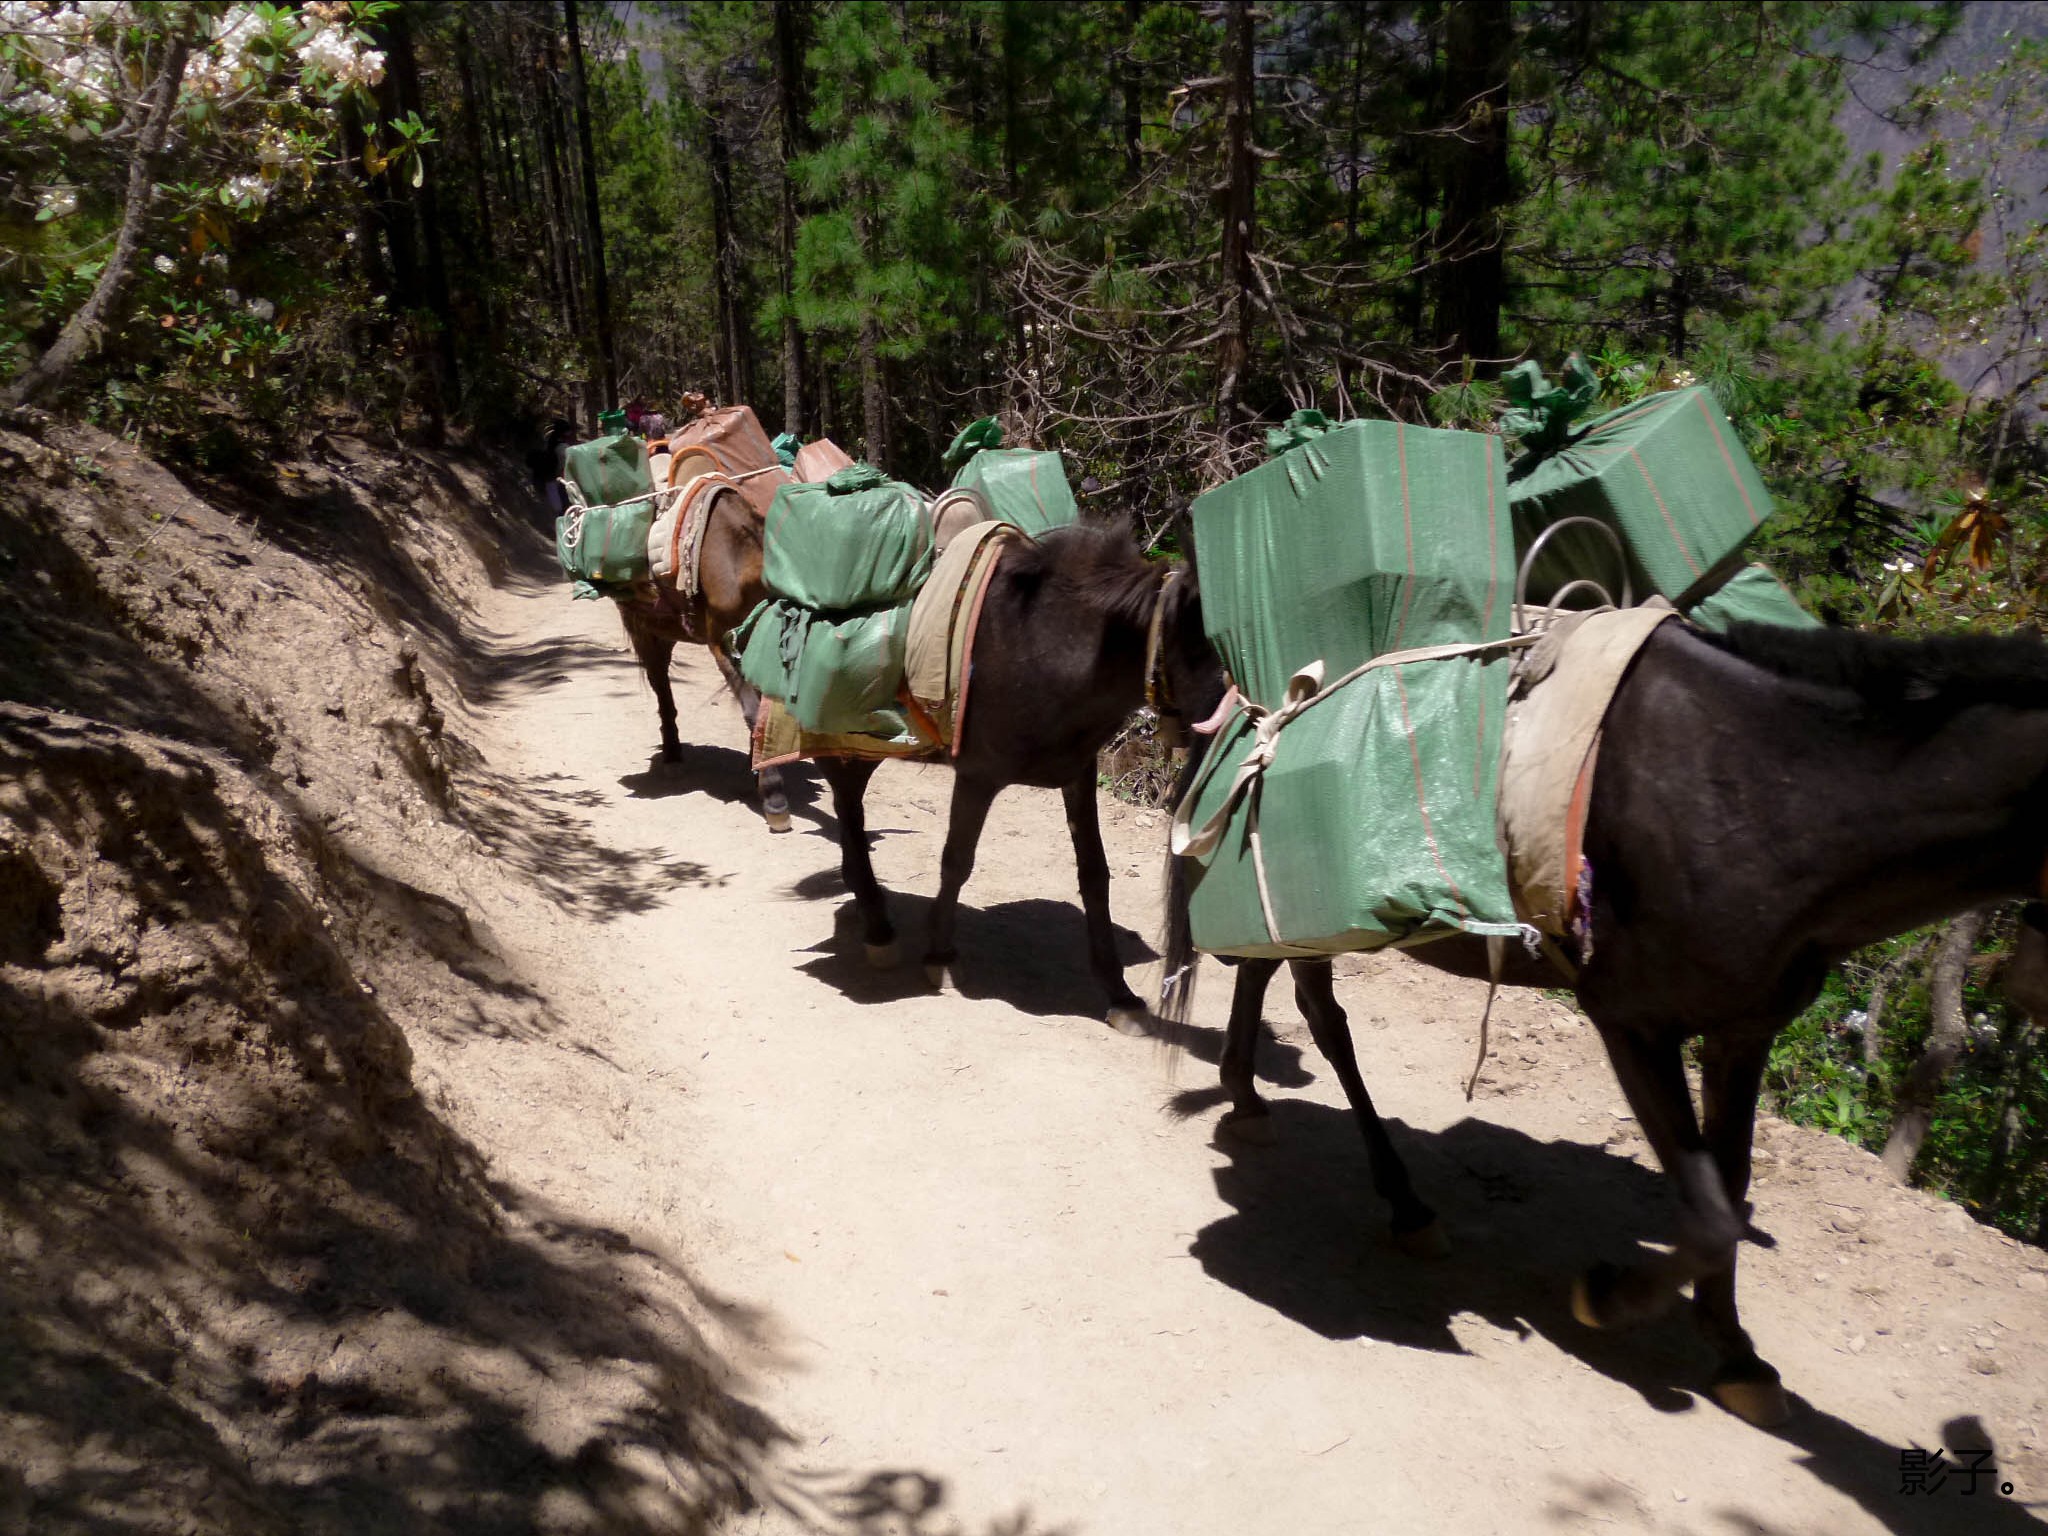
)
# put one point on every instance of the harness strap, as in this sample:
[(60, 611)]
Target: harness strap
[(1157, 696)]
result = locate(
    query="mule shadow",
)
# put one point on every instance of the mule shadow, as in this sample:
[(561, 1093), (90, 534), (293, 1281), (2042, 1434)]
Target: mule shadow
[(727, 775), (1307, 1237), (1032, 954)]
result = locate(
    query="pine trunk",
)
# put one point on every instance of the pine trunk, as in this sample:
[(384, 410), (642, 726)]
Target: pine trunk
[(735, 373), (789, 103), (1240, 191), (424, 207), (600, 291), (1470, 271)]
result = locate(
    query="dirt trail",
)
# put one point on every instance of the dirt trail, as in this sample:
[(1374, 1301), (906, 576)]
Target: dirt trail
[(999, 1278)]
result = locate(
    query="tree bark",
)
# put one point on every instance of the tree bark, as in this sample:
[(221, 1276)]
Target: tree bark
[(81, 333), (874, 393), (1944, 1045), (789, 103), (1239, 204), (600, 294), (1479, 39), (735, 373)]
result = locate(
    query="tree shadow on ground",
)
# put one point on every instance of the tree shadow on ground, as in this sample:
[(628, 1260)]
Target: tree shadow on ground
[(1306, 1237)]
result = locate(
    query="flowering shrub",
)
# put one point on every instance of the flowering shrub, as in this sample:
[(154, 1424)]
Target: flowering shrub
[(253, 122)]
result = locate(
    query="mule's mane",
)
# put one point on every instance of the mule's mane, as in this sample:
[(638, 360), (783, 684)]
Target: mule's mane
[(1893, 675), (1099, 563)]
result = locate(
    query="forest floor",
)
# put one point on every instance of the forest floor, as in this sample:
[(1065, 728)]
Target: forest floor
[(439, 1114)]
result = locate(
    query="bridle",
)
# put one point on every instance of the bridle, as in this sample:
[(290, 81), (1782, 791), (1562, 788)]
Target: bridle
[(1158, 695)]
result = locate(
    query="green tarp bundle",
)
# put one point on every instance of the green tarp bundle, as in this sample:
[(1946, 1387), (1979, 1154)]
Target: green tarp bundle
[(604, 546), (856, 541), (603, 542), (1753, 595), (1668, 473), (843, 561), (1021, 486), (608, 470), (837, 676), (1375, 819)]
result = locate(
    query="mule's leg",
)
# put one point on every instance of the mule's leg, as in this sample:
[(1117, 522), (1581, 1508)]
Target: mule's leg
[(971, 800), (774, 801), (1652, 1074), (849, 780), (1731, 1075), (654, 655), (1415, 1227), (1126, 1010), (1250, 1118)]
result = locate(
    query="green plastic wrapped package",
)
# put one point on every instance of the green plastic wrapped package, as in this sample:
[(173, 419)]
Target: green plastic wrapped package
[(1373, 822), (1668, 473), (609, 470), (835, 676), (1024, 487), (837, 549), (1753, 595), (604, 546)]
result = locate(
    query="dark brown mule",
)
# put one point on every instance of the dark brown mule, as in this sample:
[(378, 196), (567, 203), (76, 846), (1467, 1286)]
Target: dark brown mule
[(1762, 806), (1060, 654), (728, 586)]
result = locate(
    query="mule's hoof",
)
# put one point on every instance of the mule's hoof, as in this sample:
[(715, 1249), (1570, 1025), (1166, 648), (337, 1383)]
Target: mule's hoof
[(1430, 1242), (778, 821), (1758, 1400), (1253, 1130), (940, 977), (884, 957), (1132, 1020)]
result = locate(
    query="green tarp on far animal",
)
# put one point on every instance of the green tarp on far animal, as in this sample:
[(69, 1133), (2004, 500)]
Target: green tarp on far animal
[(608, 470), (1376, 818), (604, 546)]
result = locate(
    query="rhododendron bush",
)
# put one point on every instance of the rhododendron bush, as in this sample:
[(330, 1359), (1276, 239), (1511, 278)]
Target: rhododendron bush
[(163, 165)]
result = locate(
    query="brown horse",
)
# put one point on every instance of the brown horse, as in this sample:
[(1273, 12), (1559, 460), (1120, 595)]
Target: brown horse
[(1076, 631), (729, 585), (1763, 805)]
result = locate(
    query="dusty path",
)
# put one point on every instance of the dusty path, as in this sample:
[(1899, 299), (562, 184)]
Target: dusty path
[(990, 1280)]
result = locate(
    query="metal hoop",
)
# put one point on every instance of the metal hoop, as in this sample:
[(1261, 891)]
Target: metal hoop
[(1536, 548)]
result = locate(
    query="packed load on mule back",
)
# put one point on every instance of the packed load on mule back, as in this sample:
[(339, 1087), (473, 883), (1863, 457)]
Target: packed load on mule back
[(1361, 589), (862, 647)]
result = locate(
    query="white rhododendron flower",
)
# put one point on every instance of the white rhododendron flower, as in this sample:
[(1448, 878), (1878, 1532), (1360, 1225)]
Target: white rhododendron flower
[(59, 203), (165, 265), (263, 310)]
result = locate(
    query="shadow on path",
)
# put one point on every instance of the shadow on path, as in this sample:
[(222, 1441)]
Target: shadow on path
[(1306, 1237)]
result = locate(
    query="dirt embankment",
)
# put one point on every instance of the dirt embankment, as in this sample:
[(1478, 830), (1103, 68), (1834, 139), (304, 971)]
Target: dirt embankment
[(250, 1280)]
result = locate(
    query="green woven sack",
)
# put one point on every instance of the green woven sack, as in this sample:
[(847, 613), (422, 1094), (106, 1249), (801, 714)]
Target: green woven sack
[(605, 546), (1753, 595), (1024, 487), (836, 676), (609, 470), (836, 550), (1376, 817), (1667, 473)]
